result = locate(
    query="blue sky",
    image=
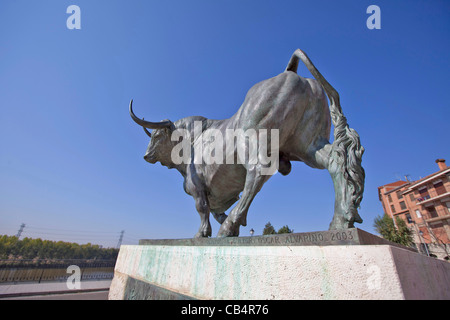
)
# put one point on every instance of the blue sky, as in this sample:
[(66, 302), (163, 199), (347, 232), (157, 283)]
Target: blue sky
[(71, 163)]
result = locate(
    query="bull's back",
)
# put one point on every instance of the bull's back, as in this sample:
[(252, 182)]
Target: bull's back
[(289, 103)]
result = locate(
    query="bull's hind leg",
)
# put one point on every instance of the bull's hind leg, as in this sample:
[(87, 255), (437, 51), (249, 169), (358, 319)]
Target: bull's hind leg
[(325, 156), (342, 158), (254, 181)]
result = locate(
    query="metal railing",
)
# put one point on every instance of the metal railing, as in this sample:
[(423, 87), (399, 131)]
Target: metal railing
[(12, 271)]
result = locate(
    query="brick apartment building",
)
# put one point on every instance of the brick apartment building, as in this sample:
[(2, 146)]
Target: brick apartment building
[(425, 206)]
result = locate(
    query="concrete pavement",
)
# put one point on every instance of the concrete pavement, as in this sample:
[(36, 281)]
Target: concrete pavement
[(47, 288), (95, 295)]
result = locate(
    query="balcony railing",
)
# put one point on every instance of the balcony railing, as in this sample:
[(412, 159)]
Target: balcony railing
[(423, 198), (434, 219), (428, 198)]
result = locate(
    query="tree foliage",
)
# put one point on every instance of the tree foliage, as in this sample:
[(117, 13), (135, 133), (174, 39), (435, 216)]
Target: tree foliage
[(13, 248), (386, 228), (269, 229), (285, 229)]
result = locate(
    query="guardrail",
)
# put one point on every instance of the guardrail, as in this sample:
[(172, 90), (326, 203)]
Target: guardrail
[(54, 270)]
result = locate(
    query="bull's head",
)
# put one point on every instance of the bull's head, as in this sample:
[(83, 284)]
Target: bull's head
[(160, 146)]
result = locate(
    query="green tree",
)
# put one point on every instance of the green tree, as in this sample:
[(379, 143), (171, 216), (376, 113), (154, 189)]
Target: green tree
[(386, 228), (285, 229), (268, 229), (27, 248)]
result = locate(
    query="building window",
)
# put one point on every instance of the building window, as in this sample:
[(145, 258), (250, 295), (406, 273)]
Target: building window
[(402, 205), (424, 194), (448, 206), (432, 212), (418, 214), (411, 197), (399, 194), (392, 208), (389, 198), (408, 218), (440, 189)]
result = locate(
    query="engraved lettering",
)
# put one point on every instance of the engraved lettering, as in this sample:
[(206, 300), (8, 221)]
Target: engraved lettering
[(350, 236)]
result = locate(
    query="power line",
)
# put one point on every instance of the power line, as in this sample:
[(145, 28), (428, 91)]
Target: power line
[(72, 238), (134, 237), (69, 235), (77, 231)]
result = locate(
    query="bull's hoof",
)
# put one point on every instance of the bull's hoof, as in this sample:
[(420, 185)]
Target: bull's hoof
[(201, 235), (340, 223), (228, 229)]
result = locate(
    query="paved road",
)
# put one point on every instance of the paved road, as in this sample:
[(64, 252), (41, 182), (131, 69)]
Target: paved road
[(96, 295), (90, 290)]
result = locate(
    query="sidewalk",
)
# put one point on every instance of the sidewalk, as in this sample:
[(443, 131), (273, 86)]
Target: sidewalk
[(28, 289)]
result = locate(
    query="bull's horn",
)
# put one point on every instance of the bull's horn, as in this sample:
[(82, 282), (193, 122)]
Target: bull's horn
[(146, 131), (148, 124)]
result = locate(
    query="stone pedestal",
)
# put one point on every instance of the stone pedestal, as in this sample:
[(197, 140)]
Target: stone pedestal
[(346, 264)]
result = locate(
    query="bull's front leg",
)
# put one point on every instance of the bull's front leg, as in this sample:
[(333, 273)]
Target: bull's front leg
[(193, 186), (202, 206), (238, 216)]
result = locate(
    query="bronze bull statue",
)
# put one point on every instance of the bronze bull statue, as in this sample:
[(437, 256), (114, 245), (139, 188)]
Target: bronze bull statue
[(295, 110)]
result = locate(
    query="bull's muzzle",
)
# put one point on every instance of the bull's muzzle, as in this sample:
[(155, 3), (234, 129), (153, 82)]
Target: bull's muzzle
[(150, 158)]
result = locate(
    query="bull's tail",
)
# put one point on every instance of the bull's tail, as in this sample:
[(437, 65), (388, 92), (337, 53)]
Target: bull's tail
[(346, 149)]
